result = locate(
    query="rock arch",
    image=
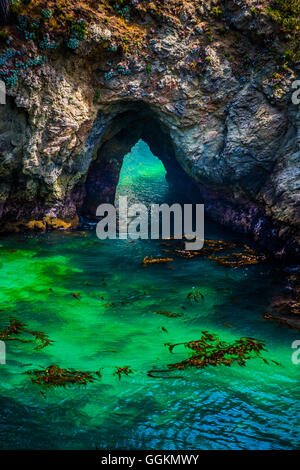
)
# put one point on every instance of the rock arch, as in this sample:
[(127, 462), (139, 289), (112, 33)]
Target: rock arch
[(137, 121)]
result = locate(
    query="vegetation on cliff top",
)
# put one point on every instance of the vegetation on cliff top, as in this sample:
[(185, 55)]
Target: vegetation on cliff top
[(131, 28), (287, 14)]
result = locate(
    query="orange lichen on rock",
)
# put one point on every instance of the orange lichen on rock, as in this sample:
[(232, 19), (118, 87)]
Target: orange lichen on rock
[(55, 223)]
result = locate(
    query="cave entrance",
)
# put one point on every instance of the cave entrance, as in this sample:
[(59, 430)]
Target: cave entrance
[(138, 124), (142, 177)]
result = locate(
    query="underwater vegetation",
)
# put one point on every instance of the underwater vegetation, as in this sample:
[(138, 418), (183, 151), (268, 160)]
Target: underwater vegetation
[(210, 350), (210, 247), (168, 314), (151, 260), (123, 370), (55, 376), (16, 329), (194, 295), (245, 257)]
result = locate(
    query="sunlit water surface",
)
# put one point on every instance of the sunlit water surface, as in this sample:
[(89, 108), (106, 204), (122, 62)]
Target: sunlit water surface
[(251, 407)]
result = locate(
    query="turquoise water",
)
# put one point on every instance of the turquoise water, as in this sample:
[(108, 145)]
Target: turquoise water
[(113, 324)]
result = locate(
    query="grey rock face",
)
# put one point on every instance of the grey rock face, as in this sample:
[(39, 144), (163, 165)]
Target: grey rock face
[(237, 139)]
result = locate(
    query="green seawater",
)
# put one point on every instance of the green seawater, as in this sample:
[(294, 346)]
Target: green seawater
[(251, 407)]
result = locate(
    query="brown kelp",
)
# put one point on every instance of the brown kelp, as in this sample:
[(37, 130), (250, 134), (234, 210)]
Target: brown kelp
[(168, 314), (152, 373), (195, 295), (126, 370), (293, 322), (16, 328), (210, 350), (212, 249), (76, 295), (55, 376), (237, 260), (162, 328), (146, 261)]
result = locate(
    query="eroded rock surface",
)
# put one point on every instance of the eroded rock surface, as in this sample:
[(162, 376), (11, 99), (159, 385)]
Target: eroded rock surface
[(205, 109)]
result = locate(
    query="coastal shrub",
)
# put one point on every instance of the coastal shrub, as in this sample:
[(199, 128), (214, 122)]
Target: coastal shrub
[(79, 29), (198, 29), (3, 36), (291, 56), (287, 14), (254, 10), (123, 68), (47, 14), (78, 32), (112, 47), (122, 7), (108, 75), (96, 96), (15, 6), (217, 12), (47, 44)]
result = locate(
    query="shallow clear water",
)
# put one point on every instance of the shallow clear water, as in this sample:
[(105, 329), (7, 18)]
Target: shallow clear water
[(252, 407)]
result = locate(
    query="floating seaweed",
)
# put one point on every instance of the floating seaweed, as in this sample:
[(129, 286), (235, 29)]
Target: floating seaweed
[(151, 260), (109, 304), (163, 328), (151, 373), (123, 370), (16, 328), (283, 320), (237, 260), (246, 257), (210, 350), (210, 247), (76, 295), (55, 376), (194, 295), (168, 314)]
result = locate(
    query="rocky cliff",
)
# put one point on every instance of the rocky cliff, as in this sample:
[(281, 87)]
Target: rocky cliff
[(207, 84)]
